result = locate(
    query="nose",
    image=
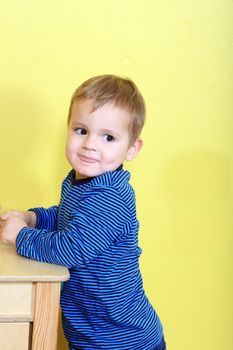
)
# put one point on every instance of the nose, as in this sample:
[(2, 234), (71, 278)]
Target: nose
[(89, 143)]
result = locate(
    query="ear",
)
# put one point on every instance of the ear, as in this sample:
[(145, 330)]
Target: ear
[(134, 149)]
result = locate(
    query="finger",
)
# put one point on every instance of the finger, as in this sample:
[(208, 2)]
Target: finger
[(2, 224), (4, 216), (7, 214)]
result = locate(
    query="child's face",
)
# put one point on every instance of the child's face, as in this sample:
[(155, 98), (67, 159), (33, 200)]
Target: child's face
[(98, 141)]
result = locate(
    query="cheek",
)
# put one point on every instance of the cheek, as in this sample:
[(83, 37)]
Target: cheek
[(68, 147), (114, 155), (67, 151), (71, 142)]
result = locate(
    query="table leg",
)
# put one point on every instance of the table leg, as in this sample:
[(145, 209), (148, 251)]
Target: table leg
[(46, 315)]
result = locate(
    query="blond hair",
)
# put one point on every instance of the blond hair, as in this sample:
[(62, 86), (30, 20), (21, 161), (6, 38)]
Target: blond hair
[(122, 92)]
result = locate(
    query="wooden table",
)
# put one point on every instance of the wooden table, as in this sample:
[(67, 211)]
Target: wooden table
[(29, 301)]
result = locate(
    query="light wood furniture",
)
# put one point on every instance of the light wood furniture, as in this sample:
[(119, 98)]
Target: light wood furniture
[(29, 301)]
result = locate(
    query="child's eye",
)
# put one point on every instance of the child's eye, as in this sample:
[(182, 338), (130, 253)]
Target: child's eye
[(81, 131), (108, 138)]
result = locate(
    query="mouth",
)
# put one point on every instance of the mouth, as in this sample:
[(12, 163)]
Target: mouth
[(86, 159)]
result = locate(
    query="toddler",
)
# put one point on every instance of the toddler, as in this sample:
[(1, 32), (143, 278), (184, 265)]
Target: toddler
[(94, 229)]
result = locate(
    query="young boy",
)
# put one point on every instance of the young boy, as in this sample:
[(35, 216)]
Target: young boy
[(94, 229)]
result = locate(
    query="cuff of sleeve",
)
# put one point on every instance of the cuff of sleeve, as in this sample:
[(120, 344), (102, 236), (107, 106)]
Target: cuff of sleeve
[(22, 236), (39, 216)]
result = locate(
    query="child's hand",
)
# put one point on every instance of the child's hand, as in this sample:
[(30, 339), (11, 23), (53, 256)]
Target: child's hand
[(28, 216), (10, 225)]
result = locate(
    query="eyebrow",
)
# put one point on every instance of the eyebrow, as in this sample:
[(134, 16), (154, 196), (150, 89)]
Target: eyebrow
[(75, 124)]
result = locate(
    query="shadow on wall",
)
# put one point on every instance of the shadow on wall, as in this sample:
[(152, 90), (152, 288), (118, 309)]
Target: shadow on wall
[(25, 138)]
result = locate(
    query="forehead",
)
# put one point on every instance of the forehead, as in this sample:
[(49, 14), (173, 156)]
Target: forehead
[(85, 111)]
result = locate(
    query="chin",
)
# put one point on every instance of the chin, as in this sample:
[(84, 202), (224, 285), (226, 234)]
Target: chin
[(85, 174)]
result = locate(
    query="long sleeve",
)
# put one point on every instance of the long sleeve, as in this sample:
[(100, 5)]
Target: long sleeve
[(101, 219), (46, 218)]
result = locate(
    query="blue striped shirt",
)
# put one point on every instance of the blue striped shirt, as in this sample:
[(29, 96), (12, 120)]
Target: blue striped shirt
[(94, 232)]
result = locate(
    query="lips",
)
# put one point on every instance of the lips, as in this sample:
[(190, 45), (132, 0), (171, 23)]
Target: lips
[(86, 159)]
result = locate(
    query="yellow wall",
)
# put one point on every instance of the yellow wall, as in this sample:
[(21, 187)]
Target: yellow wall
[(180, 55)]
